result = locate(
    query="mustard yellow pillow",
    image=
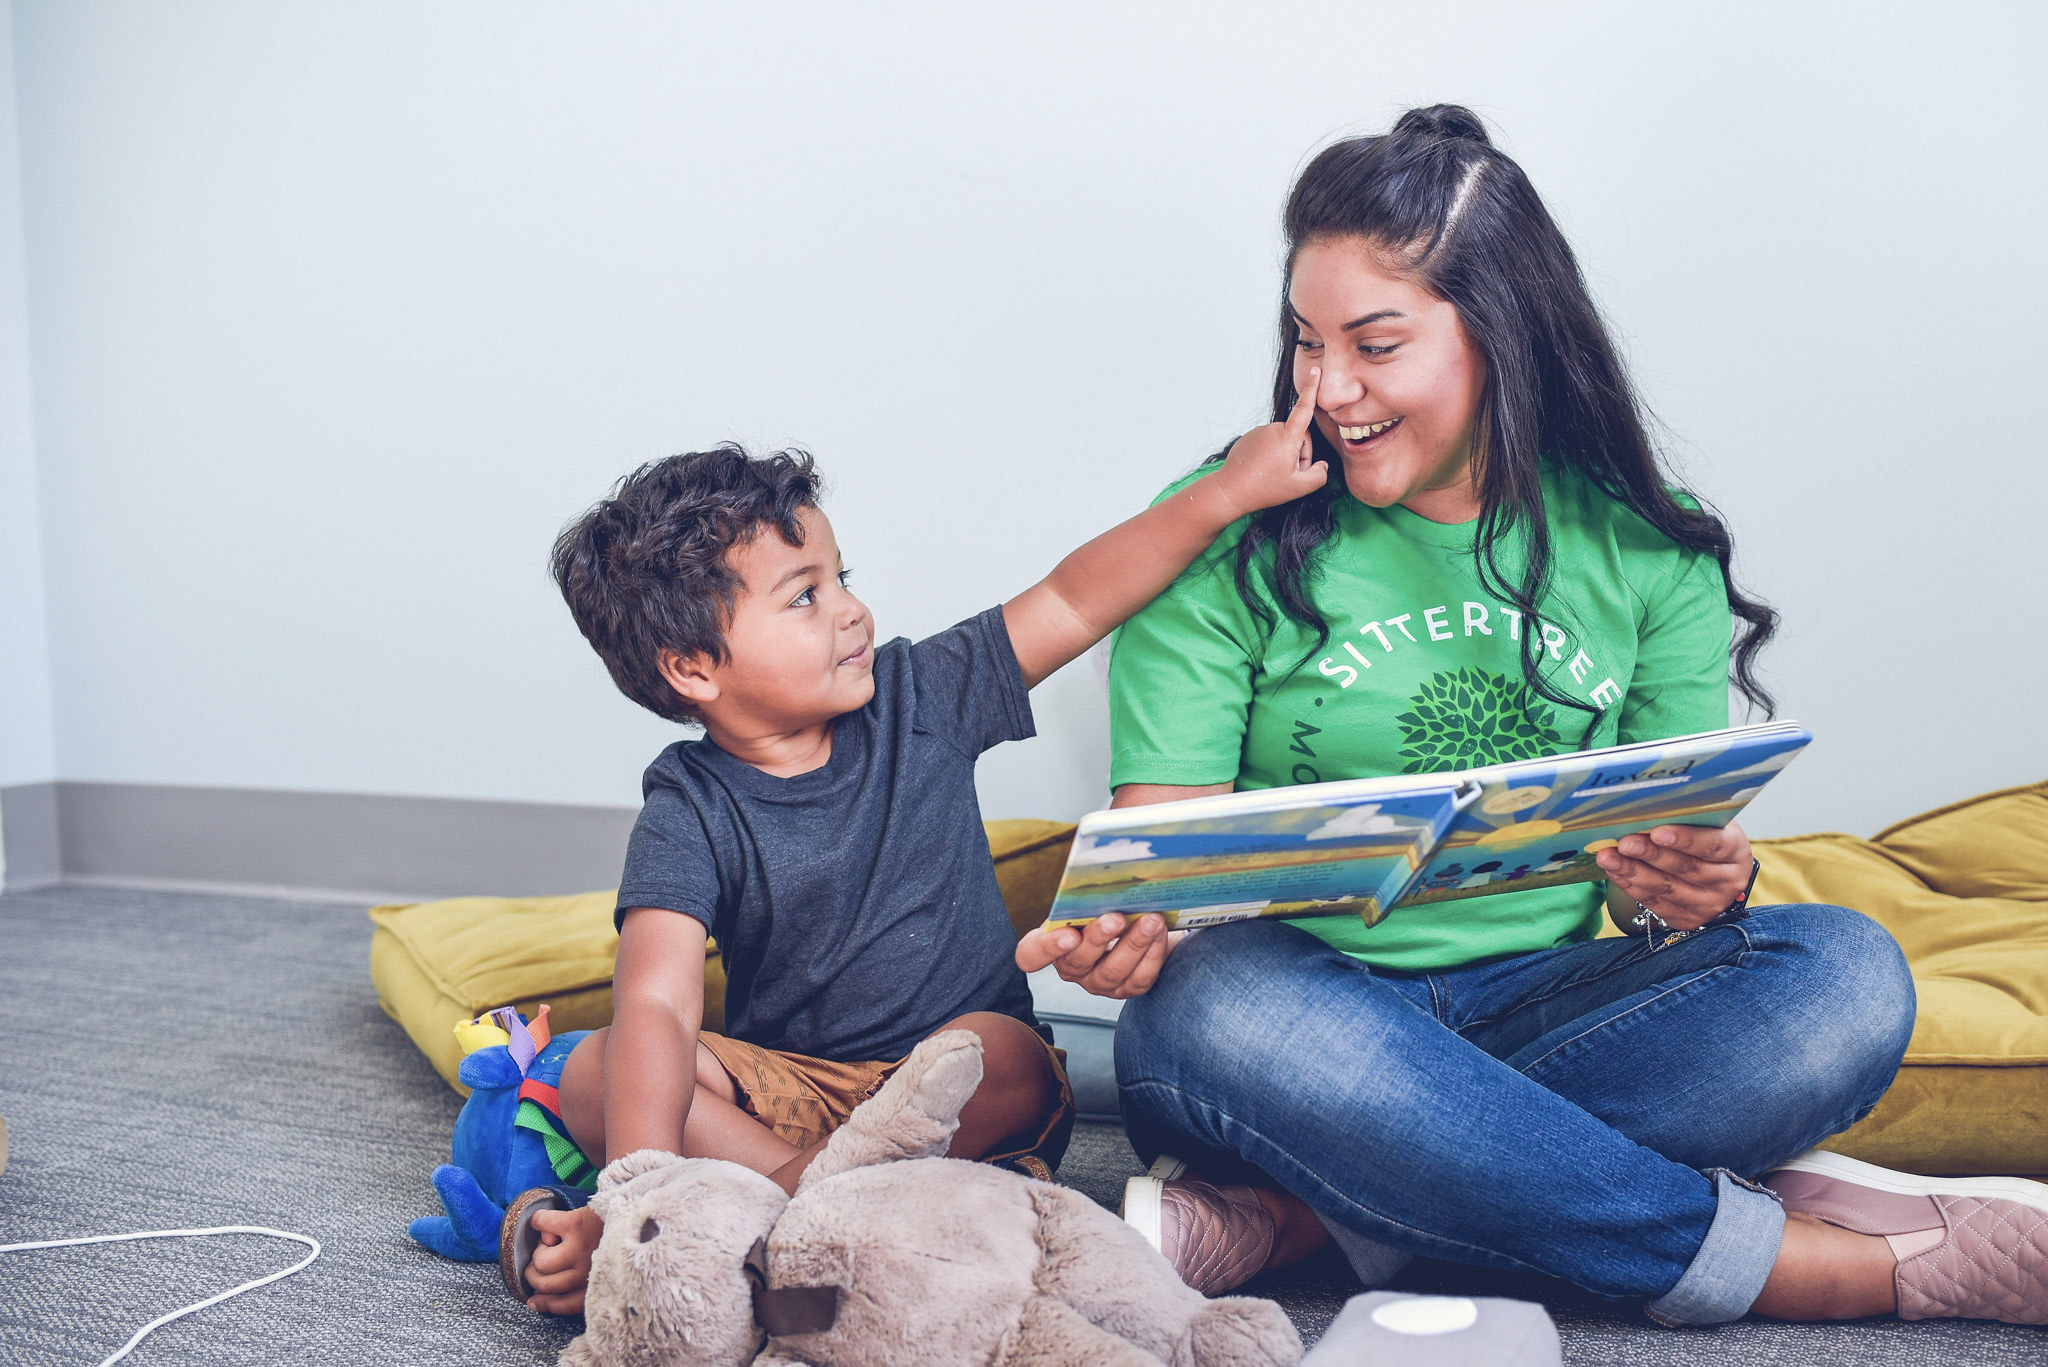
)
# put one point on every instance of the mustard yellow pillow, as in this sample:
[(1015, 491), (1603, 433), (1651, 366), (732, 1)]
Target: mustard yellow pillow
[(436, 964), (1964, 890), (1030, 856)]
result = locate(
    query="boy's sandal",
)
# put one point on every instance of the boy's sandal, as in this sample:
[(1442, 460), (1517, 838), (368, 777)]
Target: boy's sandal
[(517, 1238), (1027, 1165)]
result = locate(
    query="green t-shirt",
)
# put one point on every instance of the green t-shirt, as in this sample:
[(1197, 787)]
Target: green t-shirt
[(1422, 672)]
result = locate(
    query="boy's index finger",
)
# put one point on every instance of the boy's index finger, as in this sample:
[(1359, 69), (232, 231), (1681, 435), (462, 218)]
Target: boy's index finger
[(1305, 404)]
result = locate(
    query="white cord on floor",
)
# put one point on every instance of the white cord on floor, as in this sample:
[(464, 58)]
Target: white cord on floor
[(162, 1320)]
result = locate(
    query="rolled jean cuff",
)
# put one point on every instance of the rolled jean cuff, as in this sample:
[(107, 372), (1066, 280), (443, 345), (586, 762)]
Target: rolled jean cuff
[(1728, 1273), (1375, 1263)]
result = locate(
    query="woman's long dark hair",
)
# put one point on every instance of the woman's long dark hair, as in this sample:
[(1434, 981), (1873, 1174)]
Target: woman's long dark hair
[(1437, 196)]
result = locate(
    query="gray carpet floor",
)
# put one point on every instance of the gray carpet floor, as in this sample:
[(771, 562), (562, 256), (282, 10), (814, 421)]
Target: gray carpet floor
[(187, 1060)]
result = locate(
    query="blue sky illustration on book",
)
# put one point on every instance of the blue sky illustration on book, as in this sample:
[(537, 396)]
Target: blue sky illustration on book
[(1329, 852), (1543, 825)]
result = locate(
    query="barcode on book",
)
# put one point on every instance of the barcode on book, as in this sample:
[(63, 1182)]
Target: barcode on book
[(1217, 915)]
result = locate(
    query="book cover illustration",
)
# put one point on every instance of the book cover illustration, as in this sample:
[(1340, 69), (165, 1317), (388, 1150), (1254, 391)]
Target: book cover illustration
[(1342, 854), (1539, 823)]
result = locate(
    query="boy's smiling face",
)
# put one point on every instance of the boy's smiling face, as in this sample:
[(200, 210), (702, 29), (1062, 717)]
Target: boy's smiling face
[(800, 647)]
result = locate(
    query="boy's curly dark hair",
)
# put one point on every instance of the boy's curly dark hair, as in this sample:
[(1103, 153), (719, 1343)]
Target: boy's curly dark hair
[(646, 569)]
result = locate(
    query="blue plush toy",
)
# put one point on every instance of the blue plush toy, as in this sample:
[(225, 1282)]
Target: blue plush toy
[(509, 1138)]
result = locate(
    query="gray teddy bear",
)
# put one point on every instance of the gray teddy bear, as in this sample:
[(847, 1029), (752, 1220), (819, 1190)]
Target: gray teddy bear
[(890, 1254)]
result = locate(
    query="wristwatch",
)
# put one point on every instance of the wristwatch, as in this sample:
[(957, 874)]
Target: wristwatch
[(1657, 935)]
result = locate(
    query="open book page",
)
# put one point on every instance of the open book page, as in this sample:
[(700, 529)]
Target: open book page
[(1366, 846), (1308, 851), (1540, 822)]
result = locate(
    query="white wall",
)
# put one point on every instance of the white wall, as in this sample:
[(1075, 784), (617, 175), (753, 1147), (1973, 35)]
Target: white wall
[(28, 751), (338, 312)]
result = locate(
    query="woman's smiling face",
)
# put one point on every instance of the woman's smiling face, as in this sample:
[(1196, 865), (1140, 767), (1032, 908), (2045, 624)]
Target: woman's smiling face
[(1401, 381)]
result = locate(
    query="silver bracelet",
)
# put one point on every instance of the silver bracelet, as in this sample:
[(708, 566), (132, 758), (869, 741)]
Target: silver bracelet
[(1657, 935)]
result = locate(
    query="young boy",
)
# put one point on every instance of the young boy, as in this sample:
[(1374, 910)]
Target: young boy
[(825, 829)]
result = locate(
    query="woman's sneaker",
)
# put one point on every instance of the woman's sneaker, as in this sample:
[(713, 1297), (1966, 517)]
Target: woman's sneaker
[(1973, 1247), (1215, 1237)]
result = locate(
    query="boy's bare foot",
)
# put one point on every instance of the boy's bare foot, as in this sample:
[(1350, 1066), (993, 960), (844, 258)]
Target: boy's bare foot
[(560, 1269)]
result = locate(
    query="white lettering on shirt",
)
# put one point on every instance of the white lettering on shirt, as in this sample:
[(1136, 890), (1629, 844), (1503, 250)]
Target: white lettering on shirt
[(1476, 617)]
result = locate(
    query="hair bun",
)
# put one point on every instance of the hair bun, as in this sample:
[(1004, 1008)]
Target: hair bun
[(1450, 122)]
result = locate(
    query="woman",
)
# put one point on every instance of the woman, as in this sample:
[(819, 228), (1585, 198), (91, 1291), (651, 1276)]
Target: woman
[(1498, 568)]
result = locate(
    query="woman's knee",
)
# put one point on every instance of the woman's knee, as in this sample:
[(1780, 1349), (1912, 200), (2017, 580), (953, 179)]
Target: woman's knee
[(1849, 1003), (1220, 981), (1846, 960), (1266, 1021)]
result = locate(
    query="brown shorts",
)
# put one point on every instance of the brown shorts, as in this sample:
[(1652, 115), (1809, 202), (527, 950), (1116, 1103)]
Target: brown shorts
[(803, 1099)]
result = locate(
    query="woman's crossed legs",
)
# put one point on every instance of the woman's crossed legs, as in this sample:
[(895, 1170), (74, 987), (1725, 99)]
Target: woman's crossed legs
[(1586, 1112)]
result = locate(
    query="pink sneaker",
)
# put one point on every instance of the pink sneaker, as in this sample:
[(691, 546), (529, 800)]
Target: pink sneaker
[(1974, 1247), (1215, 1237)]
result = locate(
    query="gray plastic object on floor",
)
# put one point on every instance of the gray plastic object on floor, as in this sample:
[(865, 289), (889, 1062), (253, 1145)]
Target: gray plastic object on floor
[(1392, 1329)]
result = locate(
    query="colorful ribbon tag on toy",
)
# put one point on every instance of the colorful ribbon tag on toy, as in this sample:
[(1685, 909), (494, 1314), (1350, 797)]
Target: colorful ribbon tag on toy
[(519, 1038), (505, 1026)]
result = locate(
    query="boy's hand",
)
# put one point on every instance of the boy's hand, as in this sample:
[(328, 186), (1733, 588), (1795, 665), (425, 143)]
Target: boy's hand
[(560, 1270), (1276, 463)]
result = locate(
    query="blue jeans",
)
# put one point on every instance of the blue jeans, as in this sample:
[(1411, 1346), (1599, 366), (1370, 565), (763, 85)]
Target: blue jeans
[(1587, 1112)]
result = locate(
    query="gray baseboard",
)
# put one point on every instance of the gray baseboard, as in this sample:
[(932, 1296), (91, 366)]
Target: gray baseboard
[(30, 853), (341, 844)]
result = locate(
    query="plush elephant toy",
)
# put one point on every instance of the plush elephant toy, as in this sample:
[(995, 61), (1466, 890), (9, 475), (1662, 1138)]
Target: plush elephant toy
[(890, 1254)]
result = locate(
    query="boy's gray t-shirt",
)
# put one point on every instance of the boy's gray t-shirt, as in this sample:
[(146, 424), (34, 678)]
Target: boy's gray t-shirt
[(856, 906)]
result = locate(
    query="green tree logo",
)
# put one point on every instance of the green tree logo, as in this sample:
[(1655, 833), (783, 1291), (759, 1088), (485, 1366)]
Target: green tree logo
[(1471, 717)]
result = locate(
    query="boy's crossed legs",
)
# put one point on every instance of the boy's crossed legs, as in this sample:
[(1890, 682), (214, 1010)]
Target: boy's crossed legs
[(1022, 1105)]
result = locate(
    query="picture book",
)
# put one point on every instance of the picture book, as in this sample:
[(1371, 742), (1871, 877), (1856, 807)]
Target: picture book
[(1365, 847)]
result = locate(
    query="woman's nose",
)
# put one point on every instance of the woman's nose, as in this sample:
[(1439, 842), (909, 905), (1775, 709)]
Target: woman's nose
[(1341, 385)]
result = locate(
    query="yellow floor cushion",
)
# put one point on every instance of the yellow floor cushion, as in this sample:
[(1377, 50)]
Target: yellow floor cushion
[(1964, 890), (437, 964)]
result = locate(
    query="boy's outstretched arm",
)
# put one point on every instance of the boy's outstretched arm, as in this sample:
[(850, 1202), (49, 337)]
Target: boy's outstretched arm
[(1091, 592)]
